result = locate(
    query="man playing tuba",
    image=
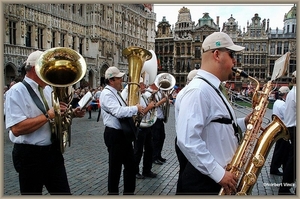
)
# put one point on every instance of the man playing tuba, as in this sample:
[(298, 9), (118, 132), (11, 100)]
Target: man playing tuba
[(36, 155)]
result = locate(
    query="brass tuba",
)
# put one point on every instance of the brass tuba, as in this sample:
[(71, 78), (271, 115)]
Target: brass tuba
[(60, 68), (165, 82), (136, 58), (251, 154)]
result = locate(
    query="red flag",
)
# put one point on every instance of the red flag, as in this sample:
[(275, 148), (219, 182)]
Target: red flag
[(158, 62)]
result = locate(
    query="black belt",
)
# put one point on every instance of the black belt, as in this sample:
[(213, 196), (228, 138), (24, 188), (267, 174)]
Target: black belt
[(160, 119), (110, 128), (34, 147)]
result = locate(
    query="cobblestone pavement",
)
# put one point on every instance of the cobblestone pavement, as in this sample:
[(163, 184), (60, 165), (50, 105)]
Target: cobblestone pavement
[(86, 162)]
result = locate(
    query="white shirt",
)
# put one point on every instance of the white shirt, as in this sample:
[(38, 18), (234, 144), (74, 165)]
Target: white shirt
[(20, 106), (111, 109), (290, 110), (144, 101), (209, 146), (97, 95), (279, 108)]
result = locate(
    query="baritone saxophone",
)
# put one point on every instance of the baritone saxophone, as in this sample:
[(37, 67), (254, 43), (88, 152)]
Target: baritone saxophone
[(251, 154)]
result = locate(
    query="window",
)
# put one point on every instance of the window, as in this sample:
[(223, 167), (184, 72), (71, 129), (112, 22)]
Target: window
[(166, 49), (73, 43), (286, 47), (246, 46), (53, 43), (40, 38), (178, 50), (251, 59), (257, 59), (263, 59), (251, 46), (272, 48), (12, 32), (197, 52), (74, 8), (292, 66), (28, 36), (279, 48), (188, 50), (62, 39), (246, 59), (182, 50), (264, 47), (257, 46), (293, 28)]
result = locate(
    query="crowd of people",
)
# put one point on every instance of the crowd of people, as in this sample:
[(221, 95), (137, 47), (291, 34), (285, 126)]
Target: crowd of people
[(207, 131)]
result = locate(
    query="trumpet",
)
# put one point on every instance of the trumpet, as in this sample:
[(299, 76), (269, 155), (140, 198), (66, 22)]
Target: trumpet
[(165, 82)]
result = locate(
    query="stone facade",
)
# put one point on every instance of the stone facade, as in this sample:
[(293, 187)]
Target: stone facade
[(99, 32)]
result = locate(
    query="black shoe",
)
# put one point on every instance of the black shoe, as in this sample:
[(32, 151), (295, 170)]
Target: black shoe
[(89, 118), (157, 162), (139, 176), (278, 173), (150, 175), (162, 159)]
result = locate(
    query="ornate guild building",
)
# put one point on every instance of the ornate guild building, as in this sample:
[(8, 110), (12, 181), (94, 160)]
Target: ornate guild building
[(179, 48)]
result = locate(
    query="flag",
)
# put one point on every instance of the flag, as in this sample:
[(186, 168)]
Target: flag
[(158, 62)]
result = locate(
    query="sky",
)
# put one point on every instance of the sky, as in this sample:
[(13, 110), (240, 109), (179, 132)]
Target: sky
[(242, 13)]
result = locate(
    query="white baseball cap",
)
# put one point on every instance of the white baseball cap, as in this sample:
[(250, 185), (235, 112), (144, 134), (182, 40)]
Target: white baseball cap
[(284, 89), (294, 74), (33, 57), (113, 72), (192, 74), (218, 40)]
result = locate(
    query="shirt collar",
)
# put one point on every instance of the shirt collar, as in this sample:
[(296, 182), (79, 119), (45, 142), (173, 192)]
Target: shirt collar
[(210, 77)]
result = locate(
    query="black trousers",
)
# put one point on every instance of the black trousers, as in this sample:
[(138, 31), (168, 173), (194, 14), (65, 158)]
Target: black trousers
[(143, 144), (159, 135), (193, 182), (182, 163), (38, 166), (120, 152), (280, 155), (289, 173)]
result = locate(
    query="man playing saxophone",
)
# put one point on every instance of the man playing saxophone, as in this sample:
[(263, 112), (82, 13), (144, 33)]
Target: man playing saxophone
[(36, 154), (206, 124)]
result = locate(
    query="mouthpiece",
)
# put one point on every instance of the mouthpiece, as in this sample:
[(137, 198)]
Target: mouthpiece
[(239, 71)]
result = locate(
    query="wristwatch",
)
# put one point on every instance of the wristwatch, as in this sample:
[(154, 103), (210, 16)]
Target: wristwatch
[(47, 116)]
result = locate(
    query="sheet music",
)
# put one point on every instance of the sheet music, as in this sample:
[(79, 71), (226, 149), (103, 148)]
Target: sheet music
[(84, 101)]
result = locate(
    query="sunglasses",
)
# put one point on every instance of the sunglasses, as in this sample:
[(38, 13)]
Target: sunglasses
[(231, 53)]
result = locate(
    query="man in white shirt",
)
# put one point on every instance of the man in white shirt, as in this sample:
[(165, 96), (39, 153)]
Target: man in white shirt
[(289, 172), (208, 145), (281, 146), (36, 154), (120, 148)]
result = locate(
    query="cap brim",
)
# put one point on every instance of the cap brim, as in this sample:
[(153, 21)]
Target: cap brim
[(120, 74), (236, 48)]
